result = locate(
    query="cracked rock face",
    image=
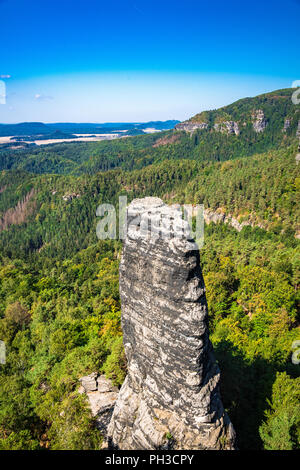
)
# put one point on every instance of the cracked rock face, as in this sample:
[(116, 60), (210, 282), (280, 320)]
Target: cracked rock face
[(298, 155), (287, 123), (228, 127), (102, 396), (191, 126), (259, 121), (170, 397)]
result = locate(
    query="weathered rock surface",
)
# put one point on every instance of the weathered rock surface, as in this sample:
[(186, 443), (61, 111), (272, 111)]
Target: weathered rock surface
[(287, 123), (170, 397), (189, 126), (298, 154), (102, 396), (219, 216), (89, 382), (69, 197), (227, 127), (259, 120)]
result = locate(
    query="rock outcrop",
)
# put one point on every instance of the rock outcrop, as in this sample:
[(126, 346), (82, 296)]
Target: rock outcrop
[(170, 397), (189, 126), (70, 197), (227, 127), (298, 155), (219, 216), (102, 396), (287, 123), (259, 120)]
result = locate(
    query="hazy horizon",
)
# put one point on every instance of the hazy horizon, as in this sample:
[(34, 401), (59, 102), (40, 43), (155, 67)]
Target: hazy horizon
[(172, 118)]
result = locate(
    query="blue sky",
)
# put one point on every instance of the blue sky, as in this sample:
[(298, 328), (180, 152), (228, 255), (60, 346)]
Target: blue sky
[(97, 61)]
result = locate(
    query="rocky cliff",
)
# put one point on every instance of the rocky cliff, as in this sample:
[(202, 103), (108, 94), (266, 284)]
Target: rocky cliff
[(259, 121), (271, 113), (286, 125), (220, 216), (101, 395), (227, 127), (170, 397), (190, 126), (298, 153)]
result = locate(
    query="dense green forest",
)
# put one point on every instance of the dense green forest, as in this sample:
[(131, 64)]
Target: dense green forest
[(140, 151), (59, 298)]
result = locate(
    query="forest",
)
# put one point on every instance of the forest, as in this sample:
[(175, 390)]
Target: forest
[(59, 298)]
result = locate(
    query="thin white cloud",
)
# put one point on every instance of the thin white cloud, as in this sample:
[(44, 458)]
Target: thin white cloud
[(41, 97), (3, 76)]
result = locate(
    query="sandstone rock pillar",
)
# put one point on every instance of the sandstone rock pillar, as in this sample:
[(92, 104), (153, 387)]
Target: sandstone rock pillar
[(170, 397)]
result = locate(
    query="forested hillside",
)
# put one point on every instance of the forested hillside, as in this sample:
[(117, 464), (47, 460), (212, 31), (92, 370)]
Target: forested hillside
[(59, 298), (277, 107), (263, 189), (281, 119)]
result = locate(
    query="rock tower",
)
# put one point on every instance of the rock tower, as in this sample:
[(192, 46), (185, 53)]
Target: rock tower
[(170, 397)]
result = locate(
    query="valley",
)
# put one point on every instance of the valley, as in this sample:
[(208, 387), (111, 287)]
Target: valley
[(60, 310)]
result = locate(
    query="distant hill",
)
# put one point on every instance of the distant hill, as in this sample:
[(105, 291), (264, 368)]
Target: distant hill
[(37, 128), (53, 135), (244, 128), (270, 112), (23, 128)]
